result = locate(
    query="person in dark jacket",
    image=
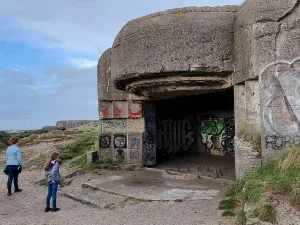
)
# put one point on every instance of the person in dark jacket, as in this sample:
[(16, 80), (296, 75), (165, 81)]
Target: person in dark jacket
[(52, 176), (14, 164)]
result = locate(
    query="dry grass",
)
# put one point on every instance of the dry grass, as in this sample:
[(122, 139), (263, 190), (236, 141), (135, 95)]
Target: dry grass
[(279, 177), (51, 135), (288, 159)]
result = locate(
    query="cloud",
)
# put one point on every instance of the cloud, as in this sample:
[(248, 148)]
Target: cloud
[(88, 26), (83, 63), (71, 95)]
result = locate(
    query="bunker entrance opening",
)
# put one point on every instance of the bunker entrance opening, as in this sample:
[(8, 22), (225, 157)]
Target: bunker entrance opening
[(196, 134)]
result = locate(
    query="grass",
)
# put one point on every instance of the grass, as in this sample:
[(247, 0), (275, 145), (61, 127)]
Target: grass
[(80, 164), (227, 204), (131, 200), (241, 218), (280, 176), (267, 213), (84, 141), (228, 213)]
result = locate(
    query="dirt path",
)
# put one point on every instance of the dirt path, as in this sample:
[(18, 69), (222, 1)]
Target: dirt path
[(27, 207)]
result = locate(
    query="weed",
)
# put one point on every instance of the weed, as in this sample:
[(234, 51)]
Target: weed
[(131, 200), (227, 204), (280, 176), (241, 218), (267, 213), (228, 213)]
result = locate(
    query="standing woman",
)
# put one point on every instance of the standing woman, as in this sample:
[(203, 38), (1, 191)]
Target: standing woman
[(14, 164)]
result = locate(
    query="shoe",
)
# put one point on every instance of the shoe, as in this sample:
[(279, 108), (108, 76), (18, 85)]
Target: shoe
[(9, 193), (18, 190), (47, 209), (55, 209)]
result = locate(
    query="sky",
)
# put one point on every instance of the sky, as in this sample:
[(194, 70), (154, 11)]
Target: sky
[(49, 52)]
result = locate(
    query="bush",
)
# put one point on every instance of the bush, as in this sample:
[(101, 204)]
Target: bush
[(4, 138), (2, 145), (84, 141)]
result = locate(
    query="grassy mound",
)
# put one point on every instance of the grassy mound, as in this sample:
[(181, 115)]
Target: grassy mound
[(76, 152), (84, 141), (280, 177)]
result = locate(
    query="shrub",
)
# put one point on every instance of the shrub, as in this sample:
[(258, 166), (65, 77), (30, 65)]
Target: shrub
[(280, 176), (2, 145)]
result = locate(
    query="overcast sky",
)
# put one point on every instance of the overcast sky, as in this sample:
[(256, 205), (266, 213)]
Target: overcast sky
[(49, 51)]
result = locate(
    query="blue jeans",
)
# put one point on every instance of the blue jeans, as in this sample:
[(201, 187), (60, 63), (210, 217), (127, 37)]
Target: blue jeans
[(52, 191), (12, 176)]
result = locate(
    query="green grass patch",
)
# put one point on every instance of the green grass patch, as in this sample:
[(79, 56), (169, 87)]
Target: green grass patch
[(241, 218), (227, 204), (228, 213), (280, 176), (131, 200), (80, 164), (85, 141)]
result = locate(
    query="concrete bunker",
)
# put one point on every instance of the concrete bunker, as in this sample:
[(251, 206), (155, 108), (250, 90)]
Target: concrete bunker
[(158, 61), (195, 134)]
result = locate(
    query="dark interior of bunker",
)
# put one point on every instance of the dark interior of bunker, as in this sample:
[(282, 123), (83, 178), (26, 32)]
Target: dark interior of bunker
[(196, 133)]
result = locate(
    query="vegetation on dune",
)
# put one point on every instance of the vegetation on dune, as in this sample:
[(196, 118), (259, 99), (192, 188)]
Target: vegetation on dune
[(84, 141), (76, 151), (280, 177)]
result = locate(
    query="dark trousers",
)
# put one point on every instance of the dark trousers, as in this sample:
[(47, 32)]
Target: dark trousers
[(52, 192), (12, 176)]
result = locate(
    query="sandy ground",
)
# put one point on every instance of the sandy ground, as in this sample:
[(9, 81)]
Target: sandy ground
[(27, 208)]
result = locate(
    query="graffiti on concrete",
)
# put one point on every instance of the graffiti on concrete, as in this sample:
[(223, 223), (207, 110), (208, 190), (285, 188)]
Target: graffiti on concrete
[(277, 142), (175, 135), (134, 154), (281, 100), (149, 139), (211, 127), (120, 141), (218, 133), (135, 109), (120, 155), (281, 112), (135, 148), (134, 114), (105, 112), (227, 141), (114, 123), (135, 143), (104, 141), (117, 112)]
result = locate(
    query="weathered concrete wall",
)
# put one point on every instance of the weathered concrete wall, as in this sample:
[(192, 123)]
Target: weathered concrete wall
[(256, 27), (267, 35), (69, 124), (247, 144), (161, 49), (106, 89), (120, 116), (122, 127)]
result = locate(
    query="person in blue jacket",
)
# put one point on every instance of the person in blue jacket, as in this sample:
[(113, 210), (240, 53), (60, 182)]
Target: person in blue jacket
[(14, 165), (52, 176)]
